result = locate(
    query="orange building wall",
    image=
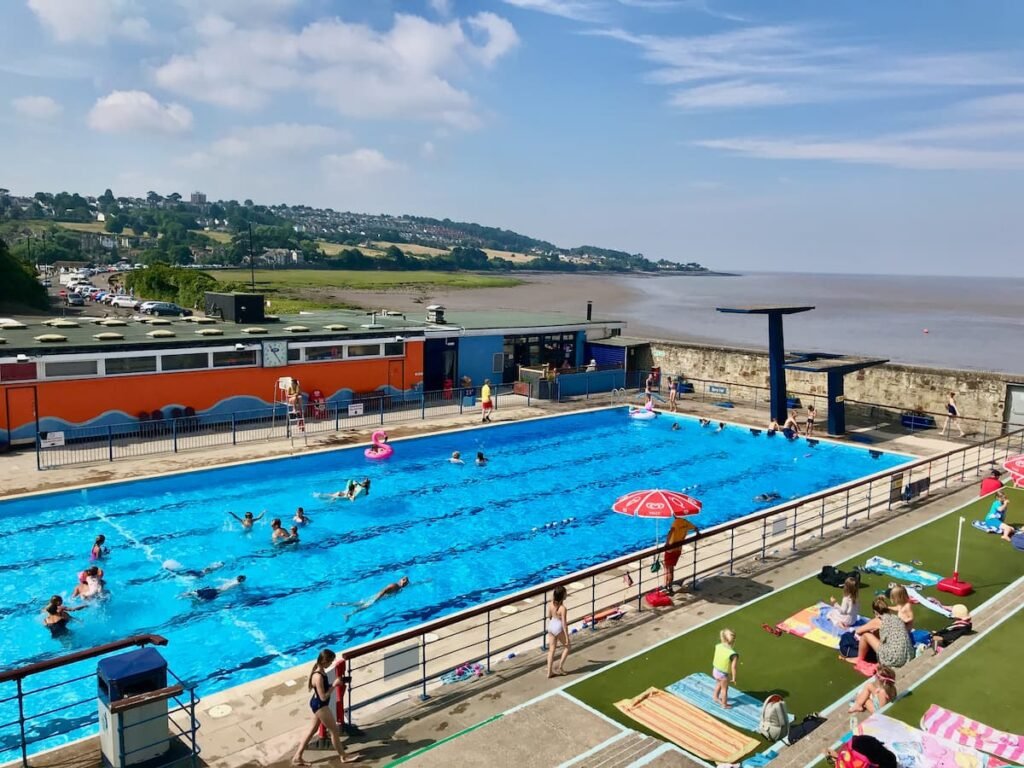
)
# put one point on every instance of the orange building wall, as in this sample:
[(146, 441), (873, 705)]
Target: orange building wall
[(80, 401)]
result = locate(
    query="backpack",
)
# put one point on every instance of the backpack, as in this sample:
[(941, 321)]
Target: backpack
[(833, 577), (849, 645), (798, 730), (774, 724)]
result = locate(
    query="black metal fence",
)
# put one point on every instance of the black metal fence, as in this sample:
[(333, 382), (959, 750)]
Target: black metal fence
[(126, 440)]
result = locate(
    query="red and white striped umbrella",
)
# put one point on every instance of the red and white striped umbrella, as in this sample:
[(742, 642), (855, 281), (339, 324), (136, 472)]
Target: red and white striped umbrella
[(657, 504), (1015, 466)]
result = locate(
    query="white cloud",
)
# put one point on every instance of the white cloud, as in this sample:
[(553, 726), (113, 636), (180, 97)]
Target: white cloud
[(774, 65), (408, 71), (882, 151), (443, 7), (577, 10), (137, 112), (277, 139), (500, 36), (359, 162), (427, 149), (90, 21), (37, 107)]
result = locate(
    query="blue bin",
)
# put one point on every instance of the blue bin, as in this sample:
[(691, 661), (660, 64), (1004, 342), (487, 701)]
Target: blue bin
[(468, 401), (129, 674)]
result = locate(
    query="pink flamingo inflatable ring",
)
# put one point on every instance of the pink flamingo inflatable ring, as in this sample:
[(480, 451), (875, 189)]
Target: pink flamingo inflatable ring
[(380, 449)]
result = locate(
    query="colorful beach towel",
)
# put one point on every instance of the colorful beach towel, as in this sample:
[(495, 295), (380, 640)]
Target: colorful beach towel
[(957, 728), (929, 602), (813, 624), (698, 689), (981, 525), (901, 571), (688, 726), (918, 749)]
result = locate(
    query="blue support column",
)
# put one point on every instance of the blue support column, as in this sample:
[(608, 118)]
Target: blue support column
[(777, 367), (836, 403)]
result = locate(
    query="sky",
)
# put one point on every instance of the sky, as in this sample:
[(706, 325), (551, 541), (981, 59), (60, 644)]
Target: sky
[(791, 135)]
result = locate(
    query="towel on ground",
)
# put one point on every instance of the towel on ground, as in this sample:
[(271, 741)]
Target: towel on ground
[(813, 624), (957, 728), (901, 571)]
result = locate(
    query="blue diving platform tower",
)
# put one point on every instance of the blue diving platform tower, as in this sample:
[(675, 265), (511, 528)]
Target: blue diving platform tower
[(776, 351), (835, 367)]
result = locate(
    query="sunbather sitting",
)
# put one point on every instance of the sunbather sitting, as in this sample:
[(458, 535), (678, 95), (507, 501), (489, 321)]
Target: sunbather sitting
[(876, 692), (886, 635)]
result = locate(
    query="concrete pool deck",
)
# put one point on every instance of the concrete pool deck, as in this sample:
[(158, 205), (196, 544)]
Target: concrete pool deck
[(257, 723)]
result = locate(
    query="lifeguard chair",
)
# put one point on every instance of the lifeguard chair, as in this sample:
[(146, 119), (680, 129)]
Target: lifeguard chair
[(288, 393)]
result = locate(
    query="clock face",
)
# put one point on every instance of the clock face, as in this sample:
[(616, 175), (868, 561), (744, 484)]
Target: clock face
[(275, 354)]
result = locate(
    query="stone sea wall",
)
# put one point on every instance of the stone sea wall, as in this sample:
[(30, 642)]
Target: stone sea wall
[(979, 394)]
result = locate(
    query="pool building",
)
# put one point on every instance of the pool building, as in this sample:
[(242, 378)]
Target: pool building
[(100, 371)]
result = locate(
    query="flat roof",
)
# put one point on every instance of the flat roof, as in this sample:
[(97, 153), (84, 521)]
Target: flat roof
[(622, 341), (765, 309), (126, 333)]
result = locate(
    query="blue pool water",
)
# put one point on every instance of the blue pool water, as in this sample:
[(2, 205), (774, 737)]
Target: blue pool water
[(463, 535)]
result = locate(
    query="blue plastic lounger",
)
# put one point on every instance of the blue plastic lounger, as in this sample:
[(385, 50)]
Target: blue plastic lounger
[(697, 689), (901, 571)]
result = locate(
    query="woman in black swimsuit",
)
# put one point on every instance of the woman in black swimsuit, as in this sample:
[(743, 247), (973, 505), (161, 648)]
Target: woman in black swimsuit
[(320, 704)]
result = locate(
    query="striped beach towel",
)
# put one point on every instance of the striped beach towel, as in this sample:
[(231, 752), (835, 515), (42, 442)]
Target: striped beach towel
[(901, 571), (961, 730), (688, 726), (699, 689)]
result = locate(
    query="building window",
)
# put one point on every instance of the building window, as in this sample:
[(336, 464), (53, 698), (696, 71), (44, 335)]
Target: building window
[(363, 350), (17, 371), (71, 368), (189, 361), (324, 353), (498, 362), (294, 354), (116, 366), (394, 349), (233, 357)]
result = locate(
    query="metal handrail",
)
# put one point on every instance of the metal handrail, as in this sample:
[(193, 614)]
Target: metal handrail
[(20, 673), (715, 531)]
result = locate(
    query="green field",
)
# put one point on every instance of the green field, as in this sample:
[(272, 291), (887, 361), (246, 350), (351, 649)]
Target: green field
[(285, 279), (217, 237), (810, 676)]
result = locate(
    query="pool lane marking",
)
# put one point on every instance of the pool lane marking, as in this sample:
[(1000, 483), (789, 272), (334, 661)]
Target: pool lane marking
[(783, 588), (950, 656), (248, 627)]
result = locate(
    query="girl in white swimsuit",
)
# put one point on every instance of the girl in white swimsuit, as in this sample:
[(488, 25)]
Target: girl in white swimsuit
[(558, 631)]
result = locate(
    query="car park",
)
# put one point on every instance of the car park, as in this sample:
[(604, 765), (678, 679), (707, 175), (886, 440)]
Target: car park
[(125, 302), (74, 300)]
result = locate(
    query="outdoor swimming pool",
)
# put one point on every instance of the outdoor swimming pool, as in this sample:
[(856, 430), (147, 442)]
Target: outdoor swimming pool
[(462, 534)]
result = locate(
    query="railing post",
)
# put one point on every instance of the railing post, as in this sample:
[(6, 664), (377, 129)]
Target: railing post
[(544, 625), (963, 465), (423, 650), (234, 429), (21, 723), (488, 641), (593, 603), (870, 484), (764, 536), (732, 549), (337, 416), (423, 406), (846, 516), (110, 442), (462, 400), (640, 587), (174, 434), (796, 514), (821, 529), (693, 584), (381, 403)]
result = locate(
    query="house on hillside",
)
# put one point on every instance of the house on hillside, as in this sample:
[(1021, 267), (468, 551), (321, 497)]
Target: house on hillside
[(281, 256)]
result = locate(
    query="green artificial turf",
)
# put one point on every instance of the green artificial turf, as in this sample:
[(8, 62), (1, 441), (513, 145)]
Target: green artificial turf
[(811, 676), (983, 683)]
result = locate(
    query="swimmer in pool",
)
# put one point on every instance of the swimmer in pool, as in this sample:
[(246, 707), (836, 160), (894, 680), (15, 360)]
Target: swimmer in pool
[(481, 460), (456, 458), (391, 589), (675, 426), (773, 426), (770, 496), (173, 566), (355, 489), (705, 422), (91, 587), (247, 520), (278, 535), (293, 535), (99, 550), (58, 615), (212, 593), (721, 426), (791, 423), (301, 518)]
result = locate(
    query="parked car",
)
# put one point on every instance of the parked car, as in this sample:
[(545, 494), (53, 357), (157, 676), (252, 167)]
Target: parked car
[(126, 302), (75, 300), (166, 308), (142, 306)]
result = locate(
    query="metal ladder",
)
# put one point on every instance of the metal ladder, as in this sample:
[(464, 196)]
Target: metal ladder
[(618, 395)]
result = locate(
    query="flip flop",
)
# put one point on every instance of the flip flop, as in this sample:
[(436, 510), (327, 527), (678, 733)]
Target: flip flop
[(772, 630)]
